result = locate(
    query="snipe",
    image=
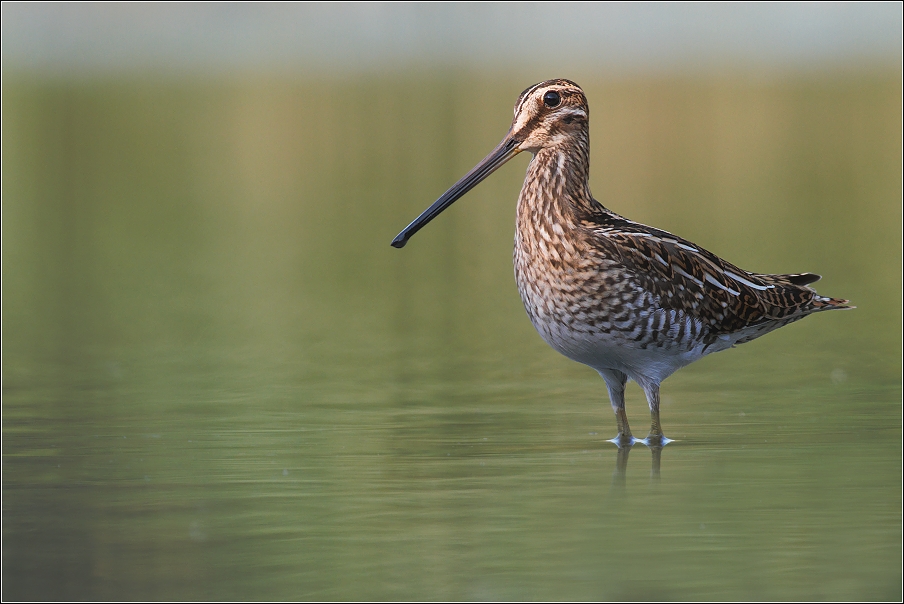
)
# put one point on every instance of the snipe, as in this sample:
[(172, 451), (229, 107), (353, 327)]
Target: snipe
[(631, 301)]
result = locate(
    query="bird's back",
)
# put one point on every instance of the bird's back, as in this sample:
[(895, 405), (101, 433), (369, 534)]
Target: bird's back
[(688, 278)]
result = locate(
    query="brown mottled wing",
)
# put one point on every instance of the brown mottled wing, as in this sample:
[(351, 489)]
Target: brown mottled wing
[(727, 299)]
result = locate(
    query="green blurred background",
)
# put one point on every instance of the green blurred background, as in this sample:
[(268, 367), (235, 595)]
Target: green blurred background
[(221, 382)]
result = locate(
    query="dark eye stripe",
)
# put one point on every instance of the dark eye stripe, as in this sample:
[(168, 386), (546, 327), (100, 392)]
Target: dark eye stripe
[(552, 99)]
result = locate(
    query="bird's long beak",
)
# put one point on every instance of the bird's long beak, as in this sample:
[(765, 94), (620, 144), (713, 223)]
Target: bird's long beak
[(506, 150)]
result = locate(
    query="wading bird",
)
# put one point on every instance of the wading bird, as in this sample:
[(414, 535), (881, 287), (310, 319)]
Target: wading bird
[(629, 300)]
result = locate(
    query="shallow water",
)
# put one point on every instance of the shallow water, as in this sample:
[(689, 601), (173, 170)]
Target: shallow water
[(221, 382)]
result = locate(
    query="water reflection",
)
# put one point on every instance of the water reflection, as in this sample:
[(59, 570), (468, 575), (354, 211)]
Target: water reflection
[(619, 477)]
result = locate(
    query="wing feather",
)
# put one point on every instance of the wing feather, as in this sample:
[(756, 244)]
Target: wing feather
[(690, 279)]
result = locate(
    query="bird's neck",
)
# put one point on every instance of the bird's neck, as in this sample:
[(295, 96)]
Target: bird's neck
[(557, 185)]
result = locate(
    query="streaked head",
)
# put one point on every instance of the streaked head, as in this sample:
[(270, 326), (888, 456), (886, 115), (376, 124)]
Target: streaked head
[(547, 114)]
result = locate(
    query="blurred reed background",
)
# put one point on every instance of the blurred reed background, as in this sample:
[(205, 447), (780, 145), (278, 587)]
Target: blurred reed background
[(220, 382)]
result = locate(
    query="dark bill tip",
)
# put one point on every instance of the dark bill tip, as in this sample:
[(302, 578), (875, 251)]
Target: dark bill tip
[(400, 241)]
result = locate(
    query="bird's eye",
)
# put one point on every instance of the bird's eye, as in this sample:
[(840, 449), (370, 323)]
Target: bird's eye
[(552, 99)]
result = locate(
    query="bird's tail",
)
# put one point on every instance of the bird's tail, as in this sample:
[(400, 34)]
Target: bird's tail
[(825, 303)]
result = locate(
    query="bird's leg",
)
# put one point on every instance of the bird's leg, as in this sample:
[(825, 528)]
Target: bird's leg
[(621, 419), (615, 382), (653, 400), (656, 437)]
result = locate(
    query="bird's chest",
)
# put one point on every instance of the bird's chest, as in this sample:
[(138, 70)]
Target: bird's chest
[(584, 305), (562, 284)]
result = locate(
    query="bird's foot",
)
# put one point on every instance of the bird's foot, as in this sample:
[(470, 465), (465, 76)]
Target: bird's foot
[(623, 440), (655, 440)]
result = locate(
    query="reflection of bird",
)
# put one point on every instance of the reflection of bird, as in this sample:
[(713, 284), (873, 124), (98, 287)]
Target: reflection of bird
[(631, 301)]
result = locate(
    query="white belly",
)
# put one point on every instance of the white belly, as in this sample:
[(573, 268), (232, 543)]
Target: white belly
[(643, 362)]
